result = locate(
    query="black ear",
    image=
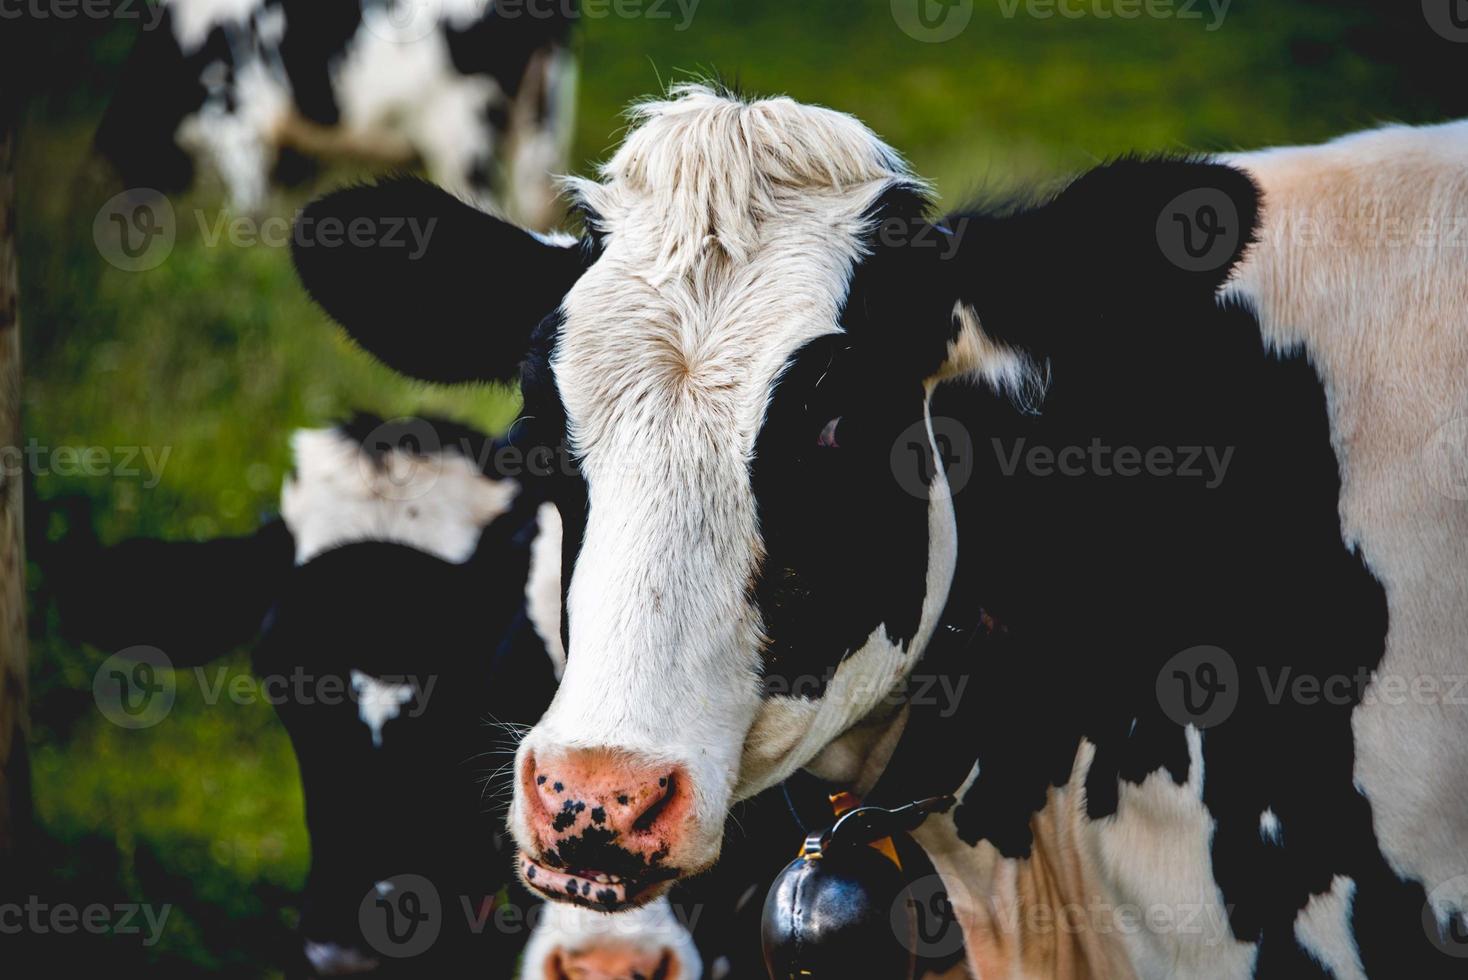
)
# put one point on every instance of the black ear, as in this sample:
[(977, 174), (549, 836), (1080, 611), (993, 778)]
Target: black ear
[(1177, 226), (432, 287), (193, 600), (1128, 236)]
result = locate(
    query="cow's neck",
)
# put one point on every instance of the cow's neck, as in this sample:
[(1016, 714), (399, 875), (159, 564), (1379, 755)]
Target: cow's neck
[(1008, 905)]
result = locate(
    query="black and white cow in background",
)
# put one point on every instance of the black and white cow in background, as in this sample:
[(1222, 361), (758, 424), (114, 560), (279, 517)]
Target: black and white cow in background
[(482, 93), (406, 589), (1223, 736)]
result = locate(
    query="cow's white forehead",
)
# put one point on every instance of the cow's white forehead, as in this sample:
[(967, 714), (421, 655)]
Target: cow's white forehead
[(730, 230)]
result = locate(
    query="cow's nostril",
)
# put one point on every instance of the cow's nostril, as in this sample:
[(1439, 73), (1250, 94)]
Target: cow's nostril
[(669, 787)]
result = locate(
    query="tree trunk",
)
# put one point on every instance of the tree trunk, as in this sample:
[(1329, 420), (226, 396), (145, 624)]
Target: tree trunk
[(14, 779)]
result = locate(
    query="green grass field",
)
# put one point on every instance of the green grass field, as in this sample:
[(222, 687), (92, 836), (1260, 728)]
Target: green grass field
[(215, 355)]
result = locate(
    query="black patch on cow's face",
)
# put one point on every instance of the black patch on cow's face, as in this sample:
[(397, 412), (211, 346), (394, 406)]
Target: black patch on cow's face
[(846, 543), (842, 465), (541, 429)]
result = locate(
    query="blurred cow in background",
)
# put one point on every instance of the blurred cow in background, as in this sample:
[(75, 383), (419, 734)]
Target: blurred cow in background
[(399, 650), (414, 590), (482, 93), (573, 943)]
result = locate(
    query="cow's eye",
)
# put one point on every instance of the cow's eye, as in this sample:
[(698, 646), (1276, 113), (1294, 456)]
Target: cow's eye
[(827, 438)]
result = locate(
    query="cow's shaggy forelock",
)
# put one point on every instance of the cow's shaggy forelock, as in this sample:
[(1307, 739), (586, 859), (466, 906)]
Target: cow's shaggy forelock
[(704, 171)]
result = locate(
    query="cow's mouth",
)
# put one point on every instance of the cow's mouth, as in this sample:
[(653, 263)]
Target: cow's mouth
[(593, 889)]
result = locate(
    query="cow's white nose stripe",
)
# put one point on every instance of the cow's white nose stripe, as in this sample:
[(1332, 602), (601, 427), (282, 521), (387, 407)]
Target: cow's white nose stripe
[(378, 702)]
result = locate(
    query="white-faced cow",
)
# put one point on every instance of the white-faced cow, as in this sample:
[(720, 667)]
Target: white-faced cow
[(1212, 513), (482, 93)]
